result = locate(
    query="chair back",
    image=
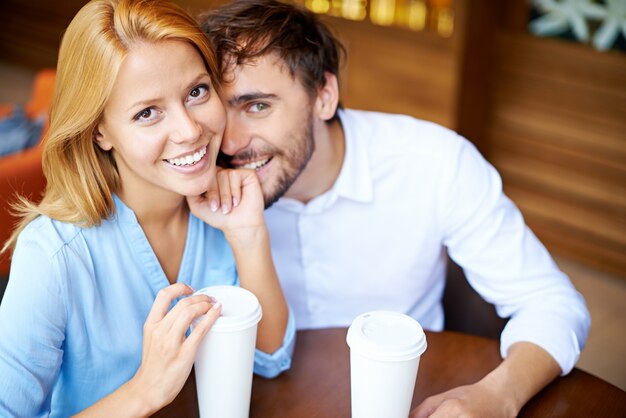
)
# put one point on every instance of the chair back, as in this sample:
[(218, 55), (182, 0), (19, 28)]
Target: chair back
[(465, 310), (21, 173)]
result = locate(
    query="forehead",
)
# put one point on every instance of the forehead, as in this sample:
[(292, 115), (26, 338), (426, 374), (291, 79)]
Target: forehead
[(267, 73), (153, 69)]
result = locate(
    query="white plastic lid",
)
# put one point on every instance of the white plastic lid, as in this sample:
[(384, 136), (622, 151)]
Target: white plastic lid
[(386, 336), (240, 308)]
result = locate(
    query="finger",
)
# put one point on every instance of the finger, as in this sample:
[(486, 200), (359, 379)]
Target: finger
[(182, 320), (235, 186), (185, 308), (426, 408), (248, 176), (223, 179), (164, 300), (250, 185), (213, 194), (203, 326)]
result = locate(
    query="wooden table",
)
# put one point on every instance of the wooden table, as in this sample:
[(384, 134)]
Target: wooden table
[(318, 383)]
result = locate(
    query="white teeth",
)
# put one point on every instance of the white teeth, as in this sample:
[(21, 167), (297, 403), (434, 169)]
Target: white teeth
[(188, 159), (256, 164)]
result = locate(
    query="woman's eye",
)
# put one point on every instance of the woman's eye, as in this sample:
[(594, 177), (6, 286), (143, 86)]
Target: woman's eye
[(258, 107), (146, 115), (198, 92)]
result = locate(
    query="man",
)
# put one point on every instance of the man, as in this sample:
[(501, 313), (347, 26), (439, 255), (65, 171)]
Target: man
[(365, 207)]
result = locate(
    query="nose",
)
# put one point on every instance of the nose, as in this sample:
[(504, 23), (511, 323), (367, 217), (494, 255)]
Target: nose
[(185, 127), (236, 135)]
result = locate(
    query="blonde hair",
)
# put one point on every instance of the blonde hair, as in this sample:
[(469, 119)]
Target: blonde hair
[(80, 176)]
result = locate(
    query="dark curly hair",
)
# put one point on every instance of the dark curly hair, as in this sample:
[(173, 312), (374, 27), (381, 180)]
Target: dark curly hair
[(244, 30)]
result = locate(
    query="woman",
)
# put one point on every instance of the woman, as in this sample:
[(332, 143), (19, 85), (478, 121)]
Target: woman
[(121, 234)]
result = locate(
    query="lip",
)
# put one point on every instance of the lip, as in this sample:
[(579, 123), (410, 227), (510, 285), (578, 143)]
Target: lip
[(189, 159), (257, 164), (184, 155)]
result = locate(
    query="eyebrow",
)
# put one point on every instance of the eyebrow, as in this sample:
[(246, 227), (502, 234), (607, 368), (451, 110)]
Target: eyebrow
[(145, 102), (248, 97)]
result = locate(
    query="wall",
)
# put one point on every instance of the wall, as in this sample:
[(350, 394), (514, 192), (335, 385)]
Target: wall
[(557, 133), (548, 113)]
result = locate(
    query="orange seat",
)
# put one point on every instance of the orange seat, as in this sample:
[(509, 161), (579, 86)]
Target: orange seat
[(21, 173)]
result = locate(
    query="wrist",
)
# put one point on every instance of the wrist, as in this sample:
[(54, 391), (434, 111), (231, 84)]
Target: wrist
[(248, 237), (499, 384), (140, 403)]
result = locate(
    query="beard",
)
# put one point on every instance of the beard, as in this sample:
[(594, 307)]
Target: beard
[(297, 157), (290, 162)]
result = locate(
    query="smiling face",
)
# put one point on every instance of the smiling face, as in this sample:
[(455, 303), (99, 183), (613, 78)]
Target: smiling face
[(163, 122), (270, 124)]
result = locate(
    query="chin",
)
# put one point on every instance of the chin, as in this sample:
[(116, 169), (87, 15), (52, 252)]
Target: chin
[(194, 189)]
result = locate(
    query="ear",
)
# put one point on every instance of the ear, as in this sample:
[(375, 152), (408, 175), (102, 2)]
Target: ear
[(100, 139), (327, 97)]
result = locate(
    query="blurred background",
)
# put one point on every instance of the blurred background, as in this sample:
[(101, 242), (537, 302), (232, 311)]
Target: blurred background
[(538, 86)]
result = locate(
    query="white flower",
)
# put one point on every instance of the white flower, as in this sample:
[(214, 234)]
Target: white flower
[(614, 21), (561, 15)]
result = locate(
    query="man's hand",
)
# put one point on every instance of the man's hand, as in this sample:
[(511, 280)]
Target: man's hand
[(465, 401), (502, 393)]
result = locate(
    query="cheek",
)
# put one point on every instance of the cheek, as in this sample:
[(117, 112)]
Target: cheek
[(214, 122), (143, 148), (213, 116)]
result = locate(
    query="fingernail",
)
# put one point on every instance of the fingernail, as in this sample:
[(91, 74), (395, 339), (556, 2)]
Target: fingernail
[(216, 306), (224, 208), (191, 288), (235, 201), (214, 205)]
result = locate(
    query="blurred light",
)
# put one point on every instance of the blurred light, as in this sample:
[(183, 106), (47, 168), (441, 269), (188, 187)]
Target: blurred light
[(382, 12), (416, 14), (354, 9), (318, 6)]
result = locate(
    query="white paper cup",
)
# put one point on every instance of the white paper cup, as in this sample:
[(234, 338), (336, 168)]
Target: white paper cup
[(225, 359), (385, 349)]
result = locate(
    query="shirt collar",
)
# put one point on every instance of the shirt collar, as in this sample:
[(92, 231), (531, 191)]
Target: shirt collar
[(355, 180)]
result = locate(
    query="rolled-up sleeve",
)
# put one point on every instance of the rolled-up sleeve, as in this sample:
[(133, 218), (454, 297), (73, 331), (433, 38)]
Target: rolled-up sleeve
[(271, 365), (508, 266), (560, 326)]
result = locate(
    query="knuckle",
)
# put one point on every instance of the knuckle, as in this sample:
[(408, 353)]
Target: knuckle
[(223, 174), (163, 293), (183, 303), (157, 333), (187, 315)]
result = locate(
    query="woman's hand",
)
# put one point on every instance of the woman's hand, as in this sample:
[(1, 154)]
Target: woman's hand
[(168, 354), (233, 202)]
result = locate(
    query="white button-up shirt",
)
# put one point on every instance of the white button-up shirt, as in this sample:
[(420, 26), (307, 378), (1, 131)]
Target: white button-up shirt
[(409, 192)]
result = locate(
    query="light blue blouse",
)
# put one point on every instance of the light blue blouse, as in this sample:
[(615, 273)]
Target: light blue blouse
[(71, 321)]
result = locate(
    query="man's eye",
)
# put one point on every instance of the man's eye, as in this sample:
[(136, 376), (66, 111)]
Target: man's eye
[(258, 107)]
